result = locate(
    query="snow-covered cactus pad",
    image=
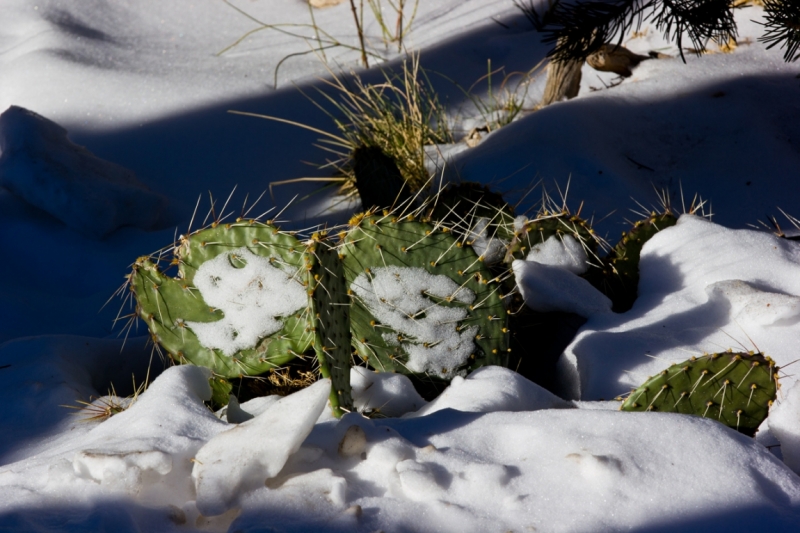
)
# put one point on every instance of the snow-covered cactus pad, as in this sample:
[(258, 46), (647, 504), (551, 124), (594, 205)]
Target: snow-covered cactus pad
[(530, 232), (735, 388), (237, 305), (330, 307), (422, 301)]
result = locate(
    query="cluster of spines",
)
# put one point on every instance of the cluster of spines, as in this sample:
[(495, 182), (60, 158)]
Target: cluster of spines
[(736, 388)]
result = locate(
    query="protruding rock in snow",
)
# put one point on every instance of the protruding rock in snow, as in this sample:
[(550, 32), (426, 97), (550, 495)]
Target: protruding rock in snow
[(244, 457), (90, 195), (784, 423), (490, 389), (391, 394), (554, 288)]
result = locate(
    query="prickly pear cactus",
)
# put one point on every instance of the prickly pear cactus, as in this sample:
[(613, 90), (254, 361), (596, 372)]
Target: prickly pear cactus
[(247, 298), (330, 307), (619, 277), (733, 387), (193, 317), (423, 303)]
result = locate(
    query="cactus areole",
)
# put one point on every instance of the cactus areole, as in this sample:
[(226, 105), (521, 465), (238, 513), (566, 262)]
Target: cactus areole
[(422, 303)]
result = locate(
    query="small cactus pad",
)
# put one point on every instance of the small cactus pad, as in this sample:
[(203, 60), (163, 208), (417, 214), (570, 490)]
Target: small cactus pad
[(620, 277), (330, 305), (193, 316), (530, 232), (733, 387), (422, 301)]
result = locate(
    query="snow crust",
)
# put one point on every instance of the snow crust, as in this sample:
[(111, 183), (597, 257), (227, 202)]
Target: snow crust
[(396, 297), (251, 293)]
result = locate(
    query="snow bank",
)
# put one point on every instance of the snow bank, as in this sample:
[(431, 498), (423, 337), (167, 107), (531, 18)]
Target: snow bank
[(549, 470), (387, 393), (703, 288), (92, 196), (784, 423), (243, 457), (490, 389)]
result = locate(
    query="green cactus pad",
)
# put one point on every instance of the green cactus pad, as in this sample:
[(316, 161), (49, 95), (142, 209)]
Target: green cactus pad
[(330, 305), (619, 278), (179, 316), (423, 303), (735, 388)]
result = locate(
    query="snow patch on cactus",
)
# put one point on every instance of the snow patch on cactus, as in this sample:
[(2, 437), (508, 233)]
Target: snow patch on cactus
[(428, 332), (251, 293), (561, 251), (491, 248)]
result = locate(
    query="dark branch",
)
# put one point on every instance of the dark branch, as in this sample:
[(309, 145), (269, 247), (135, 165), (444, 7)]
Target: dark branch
[(783, 27)]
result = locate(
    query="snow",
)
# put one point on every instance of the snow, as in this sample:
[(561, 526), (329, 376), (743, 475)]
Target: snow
[(561, 251), (554, 288), (92, 196), (140, 90), (784, 423), (391, 394), (244, 457), (250, 292), (397, 295), (703, 288)]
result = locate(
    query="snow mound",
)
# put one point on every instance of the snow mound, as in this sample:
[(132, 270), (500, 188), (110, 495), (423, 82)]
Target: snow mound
[(548, 470), (555, 288), (490, 389), (561, 251), (90, 195), (703, 288), (242, 458), (784, 423), (390, 394)]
